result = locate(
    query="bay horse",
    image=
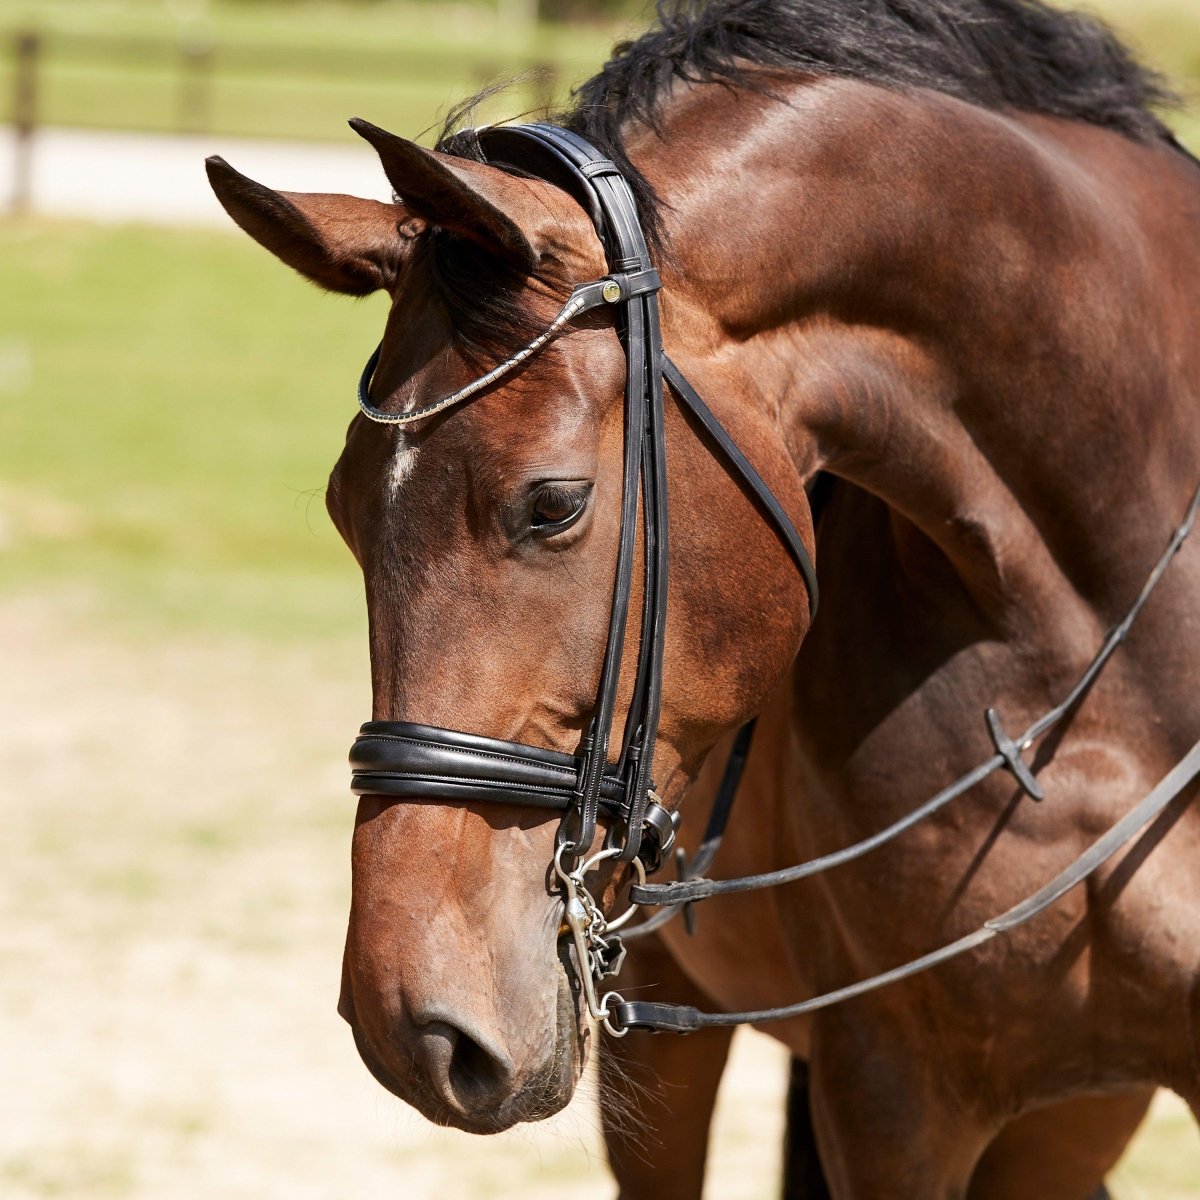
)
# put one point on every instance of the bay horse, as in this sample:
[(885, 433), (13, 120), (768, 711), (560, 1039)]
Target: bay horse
[(941, 256)]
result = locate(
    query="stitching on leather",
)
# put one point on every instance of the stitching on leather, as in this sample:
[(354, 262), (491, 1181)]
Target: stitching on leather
[(461, 779), (612, 781), (496, 755), (366, 774)]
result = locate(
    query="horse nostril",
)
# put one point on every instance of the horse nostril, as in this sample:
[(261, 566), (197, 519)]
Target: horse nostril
[(466, 1075), (474, 1070)]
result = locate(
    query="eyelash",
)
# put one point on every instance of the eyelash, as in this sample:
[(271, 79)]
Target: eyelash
[(574, 499)]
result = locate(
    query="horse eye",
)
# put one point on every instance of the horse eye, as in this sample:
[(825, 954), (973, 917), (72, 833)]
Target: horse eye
[(557, 507)]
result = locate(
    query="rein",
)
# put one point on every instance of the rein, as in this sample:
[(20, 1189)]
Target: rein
[(404, 760), (1007, 756), (685, 1019)]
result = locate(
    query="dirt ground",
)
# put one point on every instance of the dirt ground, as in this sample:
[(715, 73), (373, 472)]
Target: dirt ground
[(172, 904)]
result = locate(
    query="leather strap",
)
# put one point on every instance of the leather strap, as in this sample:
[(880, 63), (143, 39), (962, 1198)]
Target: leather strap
[(749, 476), (710, 843), (693, 888), (684, 1018), (409, 761), (645, 466)]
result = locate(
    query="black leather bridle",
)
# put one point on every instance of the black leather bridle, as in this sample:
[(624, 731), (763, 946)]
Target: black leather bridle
[(407, 761), (417, 762)]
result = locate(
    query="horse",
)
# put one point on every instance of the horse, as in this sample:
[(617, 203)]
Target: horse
[(933, 264)]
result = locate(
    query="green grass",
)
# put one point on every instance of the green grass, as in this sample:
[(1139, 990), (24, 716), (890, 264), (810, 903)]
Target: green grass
[(171, 406)]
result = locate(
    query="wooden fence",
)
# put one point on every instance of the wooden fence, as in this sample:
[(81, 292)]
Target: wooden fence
[(189, 74)]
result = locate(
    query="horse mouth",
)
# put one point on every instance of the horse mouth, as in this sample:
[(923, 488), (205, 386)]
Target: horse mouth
[(541, 1094)]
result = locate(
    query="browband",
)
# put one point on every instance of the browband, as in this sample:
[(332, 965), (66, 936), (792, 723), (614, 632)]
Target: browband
[(612, 289)]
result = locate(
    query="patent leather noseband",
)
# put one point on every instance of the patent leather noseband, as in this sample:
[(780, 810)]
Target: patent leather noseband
[(419, 762)]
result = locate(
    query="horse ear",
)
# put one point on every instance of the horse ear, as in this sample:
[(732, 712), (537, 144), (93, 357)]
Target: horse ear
[(468, 198), (341, 243)]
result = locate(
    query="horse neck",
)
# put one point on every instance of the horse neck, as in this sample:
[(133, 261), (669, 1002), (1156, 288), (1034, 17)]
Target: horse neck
[(966, 314)]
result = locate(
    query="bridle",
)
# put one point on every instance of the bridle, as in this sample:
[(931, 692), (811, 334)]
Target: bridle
[(414, 762), (407, 761)]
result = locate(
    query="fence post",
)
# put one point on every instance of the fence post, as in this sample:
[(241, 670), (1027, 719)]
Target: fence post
[(195, 85), (28, 48)]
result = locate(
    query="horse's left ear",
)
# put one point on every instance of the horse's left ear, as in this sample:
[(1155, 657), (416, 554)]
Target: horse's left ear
[(342, 243), (468, 198)]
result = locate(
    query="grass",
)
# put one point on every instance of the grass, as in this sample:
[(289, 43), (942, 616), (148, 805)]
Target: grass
[(171, 407)]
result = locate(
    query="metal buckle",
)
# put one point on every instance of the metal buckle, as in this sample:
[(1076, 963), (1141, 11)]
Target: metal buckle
[(1011, 753), (659, 827), (597, 952)]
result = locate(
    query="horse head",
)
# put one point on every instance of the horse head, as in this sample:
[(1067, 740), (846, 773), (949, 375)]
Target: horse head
[(488, 535)]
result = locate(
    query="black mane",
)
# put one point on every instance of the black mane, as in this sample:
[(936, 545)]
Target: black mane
[(1000, 54)]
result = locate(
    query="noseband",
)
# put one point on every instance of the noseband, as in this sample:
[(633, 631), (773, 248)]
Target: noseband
[(406, 761)]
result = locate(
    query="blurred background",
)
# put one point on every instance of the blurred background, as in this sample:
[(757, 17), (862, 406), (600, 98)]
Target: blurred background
[(182, 651)]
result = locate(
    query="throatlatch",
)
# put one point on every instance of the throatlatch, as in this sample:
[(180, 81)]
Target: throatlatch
[(418, 762)]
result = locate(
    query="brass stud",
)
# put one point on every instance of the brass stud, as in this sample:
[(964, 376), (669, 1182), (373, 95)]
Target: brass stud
[(611, 291)]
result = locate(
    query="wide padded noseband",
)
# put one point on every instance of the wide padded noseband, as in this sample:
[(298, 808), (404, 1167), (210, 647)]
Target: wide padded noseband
[(406, 761)]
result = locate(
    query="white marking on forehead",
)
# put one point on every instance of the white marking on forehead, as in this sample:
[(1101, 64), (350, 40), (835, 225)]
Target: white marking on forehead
[(402, 466)]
